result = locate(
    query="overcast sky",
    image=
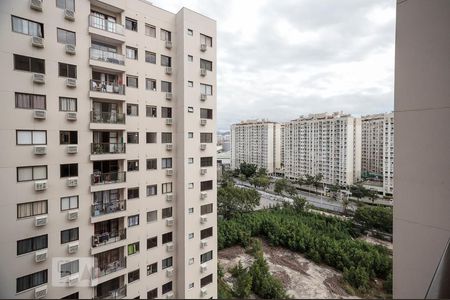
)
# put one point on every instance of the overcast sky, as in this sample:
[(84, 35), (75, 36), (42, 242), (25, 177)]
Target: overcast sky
[(278, 59)]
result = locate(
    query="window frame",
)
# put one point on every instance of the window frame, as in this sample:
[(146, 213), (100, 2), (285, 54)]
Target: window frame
[(34, 244), (32, 137), (69, 68), (71, 236), (32, 173)]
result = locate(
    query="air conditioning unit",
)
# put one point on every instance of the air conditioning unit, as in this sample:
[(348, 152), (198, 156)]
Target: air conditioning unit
[(69, 15), (40, 292), (203, 171), (38, 78), (203, 72), (169, 272), (73, 279), (72, 215), (71, 116), (202, 146), (70, 49), (170, 221), (203, 195), (72, 149), (40, 150), (169, 172), (169, 197), (203, 268), (203, 292), (203, 47), (40, 185), (36, 5), (72, 182), (73, 247), (203, 122), (40, 255), (169, 147), (37, 42), (40, 221), (169, 121), (39, 114), (169, 44), (71, 82), (203, 243), (169, 247), (203, 220), (169, 295), (203, 97), (168, 70), (169, 96)]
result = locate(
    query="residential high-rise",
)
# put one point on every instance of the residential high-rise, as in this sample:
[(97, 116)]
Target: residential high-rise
[(328, 144), (108, 154), (256, 142)]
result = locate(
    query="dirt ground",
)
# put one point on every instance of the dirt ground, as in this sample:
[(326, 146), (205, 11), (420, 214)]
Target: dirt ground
[(302, 278)]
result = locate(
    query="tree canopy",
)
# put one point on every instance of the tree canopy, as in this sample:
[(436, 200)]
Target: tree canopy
[(232, 200), (247, 169)]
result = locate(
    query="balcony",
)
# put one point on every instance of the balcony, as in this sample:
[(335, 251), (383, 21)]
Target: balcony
[(101, 209), (106, 28), (108, 237), (105, 60), (108, 178), (108, 148), (110, 267), (106, 87), (114, 294)]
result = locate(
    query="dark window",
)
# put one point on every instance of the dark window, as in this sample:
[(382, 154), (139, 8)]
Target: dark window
[(152, 268), (30, 64), (206, 64), (151, 137), (133, 165), (167, 287), (166, 163), (32, 244), (72, 296), (167, 212), (29, 281), (132, 81), (151, 111), (205, 137), (30, 101), (68, 170), (166, 112), (206, 185), (132, 109), (206, 161), (133, 193), (166, 86), (66, 70), (152, 242), (30, 209), (133, 276), (131, 24), (205, 233), (68, 137), (166, 137), (206, 209), (70, 268), (167, 263), (133, 137), (66, 37), (206, 257), (153, 294), (28, 27), (133, 220), (206, 280), (152, 164), (150, 84), (206, 113), (167, 237), (150, 57), (166, 61), (69, 235)]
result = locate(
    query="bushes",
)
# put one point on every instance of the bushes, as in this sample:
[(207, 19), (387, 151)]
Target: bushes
[(374, 217), (357, 277)]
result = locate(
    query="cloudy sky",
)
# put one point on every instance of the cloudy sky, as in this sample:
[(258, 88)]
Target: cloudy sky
[(278, 59)]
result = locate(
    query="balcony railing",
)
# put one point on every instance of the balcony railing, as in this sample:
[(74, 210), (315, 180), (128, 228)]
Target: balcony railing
[(114, 294), (108, 208), (103, 24), (109, 268), (106, 56), (108, 237), (108, 148), (107, 117), (105, 178), (107, 87)]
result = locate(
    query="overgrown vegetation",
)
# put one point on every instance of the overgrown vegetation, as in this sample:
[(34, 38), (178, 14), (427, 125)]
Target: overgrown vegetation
[(374, 217), (232, 200)]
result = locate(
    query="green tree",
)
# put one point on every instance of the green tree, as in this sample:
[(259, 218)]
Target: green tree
[(243, 284), (260, 181), (248, 169), (345, 203), (299, 204), (262, 172), (357, 277), (280, 186), (290, 189), (317, 180), (232, 200), (374, 217)]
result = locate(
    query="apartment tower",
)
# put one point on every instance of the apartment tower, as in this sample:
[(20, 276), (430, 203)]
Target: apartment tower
[(107, 160)]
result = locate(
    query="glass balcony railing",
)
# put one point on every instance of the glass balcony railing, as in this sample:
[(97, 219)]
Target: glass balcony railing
[(101, 209), (105, 178), (107, 117), (108, 237), (106, 56), (114, 294), (106, 25), (108, 148), (108, 268), (107, 87)]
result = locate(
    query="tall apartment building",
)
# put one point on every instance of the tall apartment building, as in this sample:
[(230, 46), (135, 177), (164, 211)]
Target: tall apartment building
[(377, 149), (256, 142), (107, 162), (323, 143)]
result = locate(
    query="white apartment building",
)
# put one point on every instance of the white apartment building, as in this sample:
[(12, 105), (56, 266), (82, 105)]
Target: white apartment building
[(377, 149), (256, 142), (107, 163), (323, 143)]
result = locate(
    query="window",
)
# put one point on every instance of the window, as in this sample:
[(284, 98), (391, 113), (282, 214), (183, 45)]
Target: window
[(165, 35), (31, 137), (191, 235), (29, 64), (67, 104), (206, 161), (190, 135), (167, 238), (69, 235), (152, 268), (166, 87), (150, 30), (70, 268), (166, 112), (151, 137), (29, 281), (190, 160), (205, 64), (31, 173), (133, 248), (191, 261), (132, 81), (206, 185), (167, 212), (190, 58), (32, 244), (133, 137), (67, 70), (68, 170), (150, 57), (206, 137), (206, 209), (70, 202), (191, 285), (66, 37), (152, 190), (30, 209), (151, 111), (68, 137), (190, 185), (66, 4), (166, 61), (133, 276), (30, 101), (166, 137), (133, 193), (206, 280), (150, 84), (132, 109), (191, 210), (190, 109), (152, 216), (152, 242), (206, 89), (206, 113), (131, 53), (72, 296), (190, 83), (152, 164), (167, 287), (205, 233), (131, 24), (133, 165), (166, 263), (206, 40), (166, 163), (190, 32), (167, 187), (133, 220), (206, 257), (153, 294), (28, 27)]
